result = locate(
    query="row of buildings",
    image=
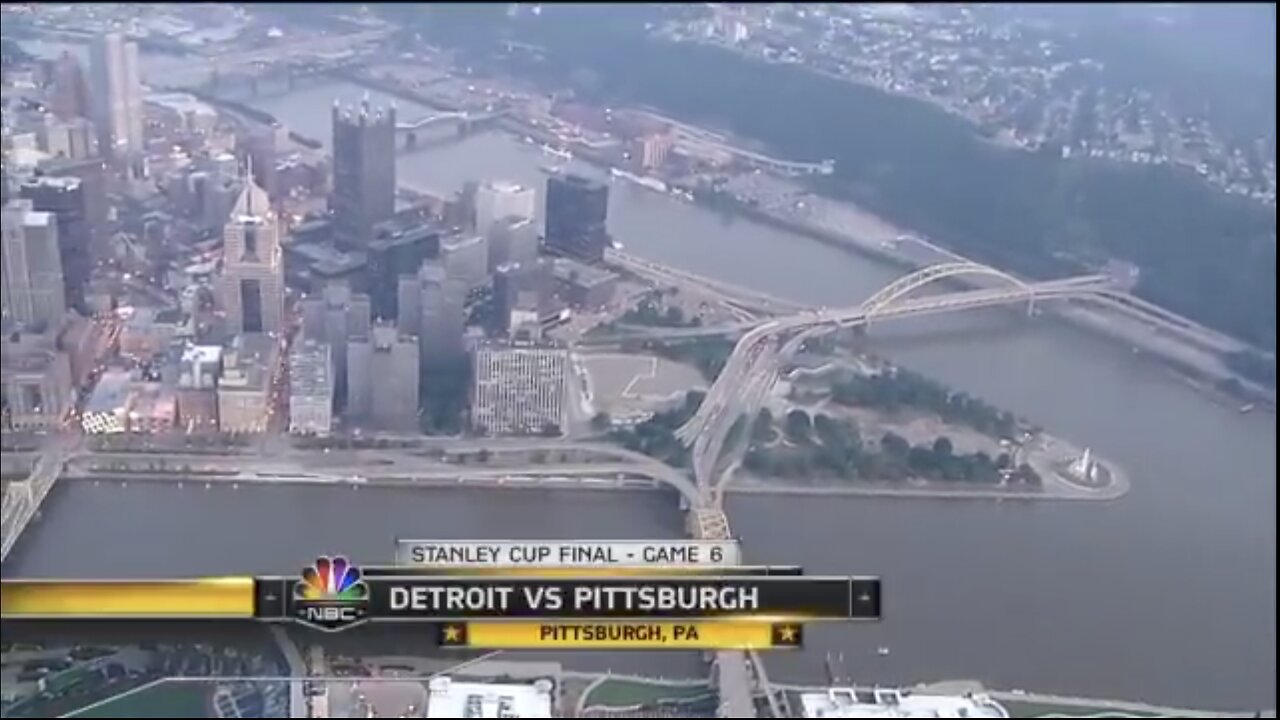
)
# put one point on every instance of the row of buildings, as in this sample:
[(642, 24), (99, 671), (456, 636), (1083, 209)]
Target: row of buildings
[(393, 296), (415, 291), (51, 220)]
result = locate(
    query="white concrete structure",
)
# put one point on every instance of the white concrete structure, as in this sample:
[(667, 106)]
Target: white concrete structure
[(116, 91), (891, 703), (502, 199), (448, 698), (512, 240), (519, 390), (311, 381), (466, 259), (1085, 467)]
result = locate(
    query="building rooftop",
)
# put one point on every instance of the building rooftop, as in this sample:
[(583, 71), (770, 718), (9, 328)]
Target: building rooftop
[(60, 182), (111, 394), (325, 259), (245, 363), (447, 698), (892, 703), (310, 369), (146, 318), (152, 401), (507, 186), (568, 270)]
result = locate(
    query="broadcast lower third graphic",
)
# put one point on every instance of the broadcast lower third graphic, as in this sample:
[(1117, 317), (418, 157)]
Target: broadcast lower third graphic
[(331, 595), (788, 635), (453, 635)]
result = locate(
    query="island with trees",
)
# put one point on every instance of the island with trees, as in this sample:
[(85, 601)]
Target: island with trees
[(863, 425), (821, 447)]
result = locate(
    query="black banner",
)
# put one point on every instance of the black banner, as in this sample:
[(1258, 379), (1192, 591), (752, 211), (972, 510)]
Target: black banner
[(454, 598)]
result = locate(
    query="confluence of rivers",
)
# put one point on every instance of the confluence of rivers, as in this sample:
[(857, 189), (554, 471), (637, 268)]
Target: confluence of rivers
[(1167, 595)]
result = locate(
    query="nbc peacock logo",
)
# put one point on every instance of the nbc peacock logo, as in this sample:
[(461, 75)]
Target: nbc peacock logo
[(331, 595)]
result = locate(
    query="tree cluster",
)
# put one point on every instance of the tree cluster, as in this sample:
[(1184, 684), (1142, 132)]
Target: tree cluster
[(1202, 253), (650, 313), (820, 445), (709, 355), (656, 437), (893, 389)]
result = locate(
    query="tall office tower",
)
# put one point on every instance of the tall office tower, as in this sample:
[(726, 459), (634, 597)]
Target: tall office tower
[(498, 200), (364, 172), (512, 239), (466, 259), (311, 387), (392, 254), (519, 390), (70, 97), (512, 280), (409, 305), (382, 380), (444, 315), (577, 208), (262, 144), (92, 173), (31, 287), (66, 199), (117, 96), (336, 316), (252, 283)]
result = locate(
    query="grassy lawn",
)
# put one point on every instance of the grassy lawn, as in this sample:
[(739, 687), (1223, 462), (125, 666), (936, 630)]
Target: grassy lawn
[(167, 700), (626, 693)]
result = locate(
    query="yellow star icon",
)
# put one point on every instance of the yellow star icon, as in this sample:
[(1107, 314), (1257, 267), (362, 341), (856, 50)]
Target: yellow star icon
[(452, 634), (788, 633)]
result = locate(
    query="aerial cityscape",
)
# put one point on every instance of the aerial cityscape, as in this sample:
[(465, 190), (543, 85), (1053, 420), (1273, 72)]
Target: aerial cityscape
[(978, 301)]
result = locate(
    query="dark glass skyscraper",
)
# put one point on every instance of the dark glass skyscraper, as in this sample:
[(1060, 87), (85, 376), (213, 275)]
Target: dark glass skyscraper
[(364, 172), (576, 210)]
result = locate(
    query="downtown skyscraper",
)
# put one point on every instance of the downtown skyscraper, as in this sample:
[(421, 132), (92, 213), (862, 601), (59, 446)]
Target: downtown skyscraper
[(576, 211), (116, 89), (364, 172), (31, 287), (252, 282)]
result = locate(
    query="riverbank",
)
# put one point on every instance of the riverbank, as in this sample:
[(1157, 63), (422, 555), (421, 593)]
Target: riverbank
[(1186, 346), (1187, 351)]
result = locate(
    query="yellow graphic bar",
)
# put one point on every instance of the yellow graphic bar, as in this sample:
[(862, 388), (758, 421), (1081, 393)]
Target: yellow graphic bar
[(630, 635), (231, 597)]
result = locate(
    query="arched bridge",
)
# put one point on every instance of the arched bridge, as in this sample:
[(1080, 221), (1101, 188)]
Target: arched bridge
[(874, 306), (751, 369)]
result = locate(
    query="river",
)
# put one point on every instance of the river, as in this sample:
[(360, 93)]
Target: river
[(1167, 595)]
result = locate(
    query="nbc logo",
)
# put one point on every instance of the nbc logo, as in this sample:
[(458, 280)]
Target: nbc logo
[(330, 594)]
